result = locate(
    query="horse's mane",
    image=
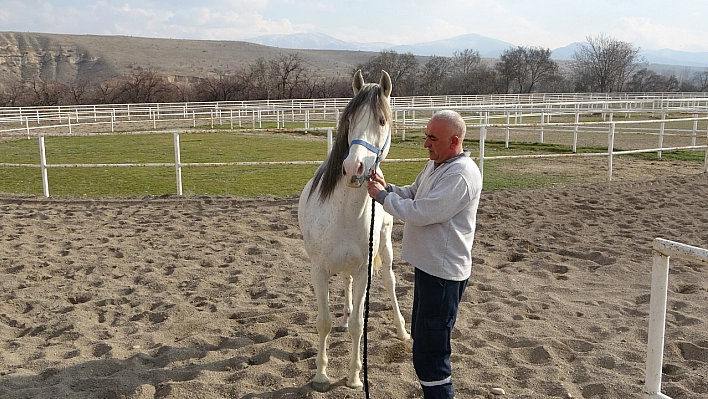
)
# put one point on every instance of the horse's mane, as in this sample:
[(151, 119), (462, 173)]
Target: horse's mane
[(330, 173)]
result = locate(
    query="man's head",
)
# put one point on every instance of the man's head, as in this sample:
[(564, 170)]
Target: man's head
[(444, 135)]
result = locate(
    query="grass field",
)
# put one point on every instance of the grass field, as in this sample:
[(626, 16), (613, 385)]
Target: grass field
[(247, 181)]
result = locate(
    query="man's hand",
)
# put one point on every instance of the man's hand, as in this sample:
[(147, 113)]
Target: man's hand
[(376, 184)]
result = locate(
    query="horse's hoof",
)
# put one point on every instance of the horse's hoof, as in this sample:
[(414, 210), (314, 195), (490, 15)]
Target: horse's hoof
[(357, 385), (320, 386)]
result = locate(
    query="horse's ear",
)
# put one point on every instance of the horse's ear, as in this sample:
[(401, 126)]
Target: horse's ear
[(385, 83), (358, 82)]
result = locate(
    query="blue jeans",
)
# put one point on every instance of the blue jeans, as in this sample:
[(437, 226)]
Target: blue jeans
[(435, 304)]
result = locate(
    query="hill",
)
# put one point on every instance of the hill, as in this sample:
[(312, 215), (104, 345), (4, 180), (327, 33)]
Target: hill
[(69, 58)]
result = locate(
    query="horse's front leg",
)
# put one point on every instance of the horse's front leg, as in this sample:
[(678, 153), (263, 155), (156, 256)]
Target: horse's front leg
[(356, 329), (347, 307), (320, 281)]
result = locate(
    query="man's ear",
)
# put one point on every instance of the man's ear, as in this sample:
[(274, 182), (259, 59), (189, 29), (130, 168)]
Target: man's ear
[(454, 141)]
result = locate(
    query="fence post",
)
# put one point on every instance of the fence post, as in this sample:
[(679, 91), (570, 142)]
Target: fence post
[(705, 160), (661, 132), (610, 150), (506, 141), (329, 140), (695, 130), (68, 119), (178, 164), (657, 324), (575, 128), (43, 166), (482, 138)]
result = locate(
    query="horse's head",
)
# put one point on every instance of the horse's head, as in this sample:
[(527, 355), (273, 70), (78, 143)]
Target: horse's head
[(367, 119)]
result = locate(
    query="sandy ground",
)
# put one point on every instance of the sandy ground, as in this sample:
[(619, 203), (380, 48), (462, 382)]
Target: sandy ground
[(209, 297)]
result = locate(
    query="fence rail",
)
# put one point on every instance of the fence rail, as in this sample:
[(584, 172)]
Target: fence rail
[(665, 115)]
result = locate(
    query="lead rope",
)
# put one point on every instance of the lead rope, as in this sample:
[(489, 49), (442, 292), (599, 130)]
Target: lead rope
[(366, 300)]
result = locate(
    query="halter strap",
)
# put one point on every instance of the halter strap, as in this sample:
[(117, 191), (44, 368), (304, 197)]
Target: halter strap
[(372, 148)]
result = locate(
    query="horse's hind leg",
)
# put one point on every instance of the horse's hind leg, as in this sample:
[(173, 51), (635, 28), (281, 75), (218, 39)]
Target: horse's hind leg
[(320, 281), (389, 279)]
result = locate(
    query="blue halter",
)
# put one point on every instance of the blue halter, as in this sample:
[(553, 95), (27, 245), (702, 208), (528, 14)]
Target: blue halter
[(372, 148)]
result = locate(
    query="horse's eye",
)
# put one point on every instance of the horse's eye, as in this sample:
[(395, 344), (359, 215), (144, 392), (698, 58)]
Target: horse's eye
[(382, 121)]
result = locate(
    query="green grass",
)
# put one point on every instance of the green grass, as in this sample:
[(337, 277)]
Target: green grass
[(248, 181)]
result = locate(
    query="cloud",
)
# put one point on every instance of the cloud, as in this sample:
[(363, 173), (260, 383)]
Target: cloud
[(649, 35)]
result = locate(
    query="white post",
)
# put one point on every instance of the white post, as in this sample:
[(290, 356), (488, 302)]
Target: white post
[(43, 166), (506, 141), (695, 130), (28, 129), (662, 251), (211, 115), (482, 138), (610, 150), (403, 132), (705, 160), (68, 119), (575, 130), (113, 118), (231, 118), (178, 164), (329, 140), (661, 133), (194, 119), (657, 325), (543, 117)]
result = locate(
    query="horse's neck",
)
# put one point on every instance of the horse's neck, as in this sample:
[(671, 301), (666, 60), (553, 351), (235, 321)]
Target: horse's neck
[(354, 199)]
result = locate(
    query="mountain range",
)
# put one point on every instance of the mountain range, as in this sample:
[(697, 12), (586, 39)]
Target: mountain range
[(487, 48)]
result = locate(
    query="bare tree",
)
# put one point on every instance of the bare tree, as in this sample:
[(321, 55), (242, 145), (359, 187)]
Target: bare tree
[(522, 68), (468, 75), (701, 79), (79, 91), (402, 68), (46, 93), (465, 62), (512, 70), (223, 86), (434, 75), (145, 86), (15, 94), (260, 80), (604, 64), (290, 70)]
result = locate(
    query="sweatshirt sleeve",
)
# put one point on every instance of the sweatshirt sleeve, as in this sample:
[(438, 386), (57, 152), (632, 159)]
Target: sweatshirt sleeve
[(449, 196)]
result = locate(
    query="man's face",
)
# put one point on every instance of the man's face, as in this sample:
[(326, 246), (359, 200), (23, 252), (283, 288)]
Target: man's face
[(438, 141)]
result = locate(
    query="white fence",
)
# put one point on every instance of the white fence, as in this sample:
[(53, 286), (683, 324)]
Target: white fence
[(663, 250), (576, 115)]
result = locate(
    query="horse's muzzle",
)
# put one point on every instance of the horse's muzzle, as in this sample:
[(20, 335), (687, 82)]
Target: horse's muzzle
[(356, 181)]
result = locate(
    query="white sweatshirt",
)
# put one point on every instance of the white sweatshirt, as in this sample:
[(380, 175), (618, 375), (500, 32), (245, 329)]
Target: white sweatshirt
[(440, 211)]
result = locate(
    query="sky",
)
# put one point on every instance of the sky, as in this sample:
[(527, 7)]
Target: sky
[(647, 24)]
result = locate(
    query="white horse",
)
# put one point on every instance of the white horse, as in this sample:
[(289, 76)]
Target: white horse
[(334, 213)]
